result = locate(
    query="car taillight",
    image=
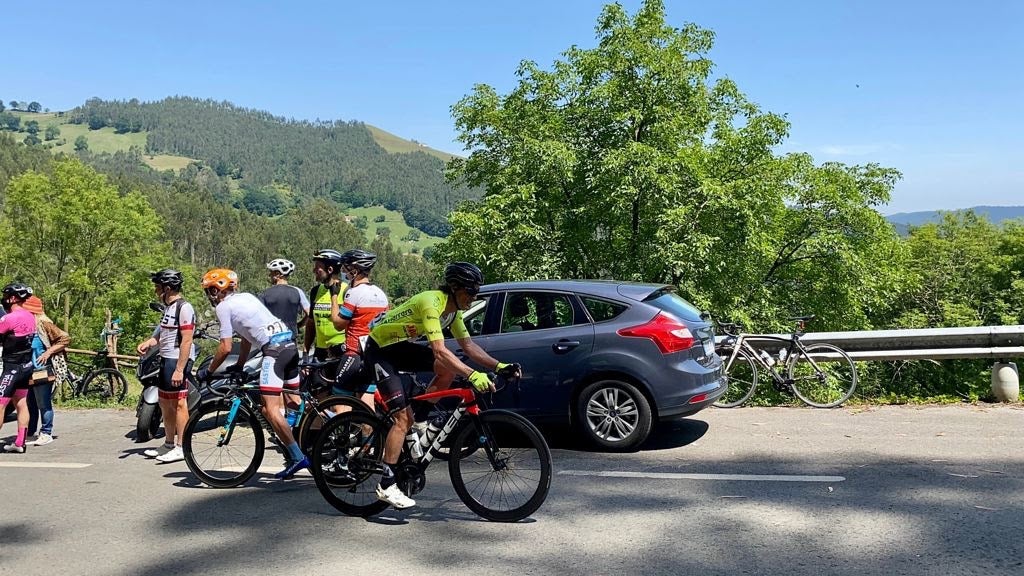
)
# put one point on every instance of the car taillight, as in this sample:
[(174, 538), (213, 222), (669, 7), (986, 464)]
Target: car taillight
[(669, 335)]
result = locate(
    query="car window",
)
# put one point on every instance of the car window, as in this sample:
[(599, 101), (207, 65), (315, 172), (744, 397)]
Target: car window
[(525, 311), (601, 310), (669, 302), (473, 317)]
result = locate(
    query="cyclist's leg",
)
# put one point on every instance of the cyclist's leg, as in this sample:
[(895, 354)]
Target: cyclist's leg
[(280, 370), (348, 381)]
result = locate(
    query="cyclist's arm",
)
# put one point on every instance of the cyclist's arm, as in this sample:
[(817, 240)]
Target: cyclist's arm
[(223, 349), (477, 354), (340, 321), (149, 342), (310, 338), (448, 359)]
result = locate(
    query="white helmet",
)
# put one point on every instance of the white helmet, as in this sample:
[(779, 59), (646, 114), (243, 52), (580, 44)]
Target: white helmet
[(281, 266)]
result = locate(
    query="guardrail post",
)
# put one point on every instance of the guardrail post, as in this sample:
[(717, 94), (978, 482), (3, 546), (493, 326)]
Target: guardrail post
[(1005, 382)]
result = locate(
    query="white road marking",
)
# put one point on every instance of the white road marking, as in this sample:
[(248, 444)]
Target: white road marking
[(43, 465), (685, 476)]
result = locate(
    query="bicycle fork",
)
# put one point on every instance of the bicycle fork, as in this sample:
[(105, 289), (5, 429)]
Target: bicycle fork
[(228, 428)]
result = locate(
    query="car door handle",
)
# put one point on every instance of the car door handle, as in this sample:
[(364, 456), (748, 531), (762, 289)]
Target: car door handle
[(563, 345)]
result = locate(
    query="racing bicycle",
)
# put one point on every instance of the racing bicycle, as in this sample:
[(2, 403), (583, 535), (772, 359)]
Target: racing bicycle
[(820, 374), (224, 441), (499, 463)]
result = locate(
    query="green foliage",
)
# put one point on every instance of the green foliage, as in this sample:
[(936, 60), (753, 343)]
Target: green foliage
[(32, 127), (74, 237), (360, 222), (10, 121), (52, 132), (412, 236), (14, 104), (627, 161), (378, 218), (35, 107), (81, 144), (264, 201), (383, 231), (31, 139)]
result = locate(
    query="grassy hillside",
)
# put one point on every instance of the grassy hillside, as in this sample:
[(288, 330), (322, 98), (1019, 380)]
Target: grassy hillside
[(106, 140), (396, 223), (396, 145), (102, 140)]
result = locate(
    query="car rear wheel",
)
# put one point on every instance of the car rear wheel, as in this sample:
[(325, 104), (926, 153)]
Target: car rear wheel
[(613, 415)]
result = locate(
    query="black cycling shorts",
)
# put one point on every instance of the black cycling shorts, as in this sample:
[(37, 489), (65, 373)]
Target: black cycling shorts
[(385, 364), (15, 376), (168, 391)]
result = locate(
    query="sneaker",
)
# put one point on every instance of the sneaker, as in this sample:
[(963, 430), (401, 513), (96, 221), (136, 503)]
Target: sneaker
[(394, 496), (291, 470), (41, 440), (14, 448), (158, 452), (173, 455)]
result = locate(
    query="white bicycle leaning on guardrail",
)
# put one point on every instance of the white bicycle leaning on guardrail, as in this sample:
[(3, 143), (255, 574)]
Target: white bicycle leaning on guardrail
[(821, 375)]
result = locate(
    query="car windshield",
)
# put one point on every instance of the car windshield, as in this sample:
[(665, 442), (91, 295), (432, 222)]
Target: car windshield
[(668, 301)]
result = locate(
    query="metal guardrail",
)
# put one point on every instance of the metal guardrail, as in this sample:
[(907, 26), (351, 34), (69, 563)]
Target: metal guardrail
[(992, 342)]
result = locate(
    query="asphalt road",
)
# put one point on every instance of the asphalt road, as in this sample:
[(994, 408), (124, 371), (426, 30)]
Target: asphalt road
[(891, 490)]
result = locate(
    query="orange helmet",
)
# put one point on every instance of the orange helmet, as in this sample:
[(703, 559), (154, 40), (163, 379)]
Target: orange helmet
[(220, 278)]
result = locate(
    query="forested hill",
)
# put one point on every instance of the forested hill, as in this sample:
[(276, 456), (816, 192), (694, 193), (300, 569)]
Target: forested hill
[(292, 160)]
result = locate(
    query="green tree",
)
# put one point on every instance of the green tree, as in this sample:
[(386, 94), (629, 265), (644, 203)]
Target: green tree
[(265, 201), (627, 161), (31, 139), (384, 231), (412, 236), (35, 107), (360, 222), (2, 107), (73, 236), (379, 218), (32, 127), (10, 121), (81, 144), (14, 104), (52, 132)]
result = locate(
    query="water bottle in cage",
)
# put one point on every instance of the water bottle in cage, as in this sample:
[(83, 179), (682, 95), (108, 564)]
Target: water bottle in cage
[(412, 442), (767, 358)]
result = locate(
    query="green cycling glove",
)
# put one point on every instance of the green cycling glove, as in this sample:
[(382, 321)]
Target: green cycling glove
[(480, 381)]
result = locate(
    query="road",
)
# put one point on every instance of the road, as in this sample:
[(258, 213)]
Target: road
[(885, 490)]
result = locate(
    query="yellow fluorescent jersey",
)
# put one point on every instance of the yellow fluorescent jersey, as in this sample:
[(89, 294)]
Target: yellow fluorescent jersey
[(418, 316), (326, 334)]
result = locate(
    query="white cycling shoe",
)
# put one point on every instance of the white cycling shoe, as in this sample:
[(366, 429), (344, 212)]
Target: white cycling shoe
[(394, 496)]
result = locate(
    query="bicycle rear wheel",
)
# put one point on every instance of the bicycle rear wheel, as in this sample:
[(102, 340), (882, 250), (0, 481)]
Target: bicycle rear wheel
[(740, 376), (823, 377), (507, 473), (104, 385), (347, 463), (222, 463), (311, 422)]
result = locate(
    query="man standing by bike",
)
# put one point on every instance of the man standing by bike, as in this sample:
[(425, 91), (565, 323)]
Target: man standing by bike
[(363, 302), (17, 328), (321, 334), (174, 337), (287, 302), (390, 349), (243, 313)]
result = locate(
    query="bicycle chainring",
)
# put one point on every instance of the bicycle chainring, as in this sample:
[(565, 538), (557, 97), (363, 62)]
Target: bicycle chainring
[(411, 478)]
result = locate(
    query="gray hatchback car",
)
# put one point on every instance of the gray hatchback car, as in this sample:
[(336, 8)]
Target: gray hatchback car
[(610, 358)]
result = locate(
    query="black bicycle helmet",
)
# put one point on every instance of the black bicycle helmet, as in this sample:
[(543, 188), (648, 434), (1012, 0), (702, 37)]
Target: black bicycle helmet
[(463, 275), (329, 257), (360, 260), (17, 290), (169, 278)]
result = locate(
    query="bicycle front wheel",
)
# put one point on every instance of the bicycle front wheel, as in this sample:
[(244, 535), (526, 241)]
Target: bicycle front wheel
[(104, 385), (740, 376), (823, 375), (223, 458), (347, 463), (312, 420), (506, 473)]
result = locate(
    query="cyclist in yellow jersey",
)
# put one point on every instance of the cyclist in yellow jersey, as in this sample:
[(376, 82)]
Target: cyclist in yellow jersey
[(329, 342), (390, 349)]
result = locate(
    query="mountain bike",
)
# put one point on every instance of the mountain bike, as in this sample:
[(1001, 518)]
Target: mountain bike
[(821, 375), (499, 463), (224, 441)]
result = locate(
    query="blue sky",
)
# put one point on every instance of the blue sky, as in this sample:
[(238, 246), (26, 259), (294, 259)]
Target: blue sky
[(931, 88)]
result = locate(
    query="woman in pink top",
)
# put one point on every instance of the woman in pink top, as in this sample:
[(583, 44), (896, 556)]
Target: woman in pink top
[(17, 328)]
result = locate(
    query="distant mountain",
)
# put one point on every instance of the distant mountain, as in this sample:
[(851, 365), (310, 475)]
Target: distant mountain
[(995, 214)]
